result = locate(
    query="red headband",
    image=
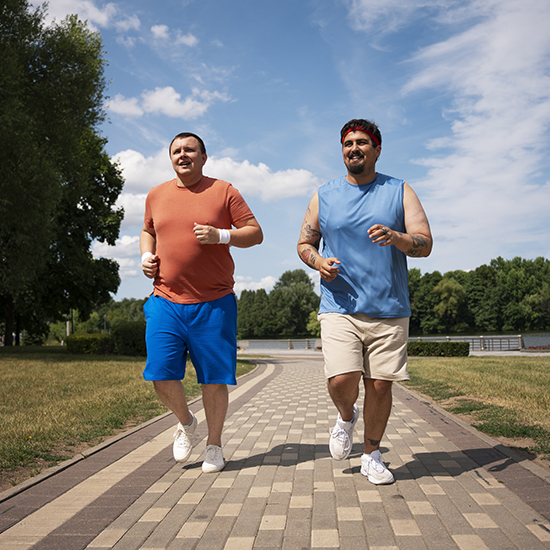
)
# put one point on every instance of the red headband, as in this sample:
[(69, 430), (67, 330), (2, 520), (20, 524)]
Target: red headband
[(361, 129)]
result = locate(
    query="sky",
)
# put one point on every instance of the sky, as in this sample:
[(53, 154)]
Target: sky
[(460, 90)]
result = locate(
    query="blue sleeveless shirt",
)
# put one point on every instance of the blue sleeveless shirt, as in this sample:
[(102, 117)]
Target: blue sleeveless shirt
[(373, 279)]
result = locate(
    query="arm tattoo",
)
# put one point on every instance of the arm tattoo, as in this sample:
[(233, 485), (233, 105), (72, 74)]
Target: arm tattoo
[(419, 241), (311, 235), (308, 256)]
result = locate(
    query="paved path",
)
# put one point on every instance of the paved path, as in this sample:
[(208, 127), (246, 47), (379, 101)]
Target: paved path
[(281, 489)]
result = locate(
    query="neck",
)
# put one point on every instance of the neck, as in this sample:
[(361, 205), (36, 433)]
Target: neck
[(185, 182), (361, 179)]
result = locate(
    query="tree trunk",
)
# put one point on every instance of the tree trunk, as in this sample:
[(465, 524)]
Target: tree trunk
[(8, 337)]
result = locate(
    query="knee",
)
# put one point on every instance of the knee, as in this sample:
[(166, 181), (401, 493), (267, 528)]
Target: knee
[(343, 384), (381, 388)]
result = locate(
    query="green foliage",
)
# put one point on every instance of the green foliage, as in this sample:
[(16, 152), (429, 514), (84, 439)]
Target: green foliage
[(438, 349), (313, 325), (507, 295), (283, 313), (129, 338), (90, 344), (56, 201)]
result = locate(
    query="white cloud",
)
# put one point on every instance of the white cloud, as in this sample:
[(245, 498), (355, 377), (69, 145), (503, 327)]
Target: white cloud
[(107, 16), (141, 173), (125, 107), (187, 39), (134, 207), (260, 181), (125, 252), (160, 32), (390, 15), (484, 181), (167, 101), (128, 23), (247, 283)]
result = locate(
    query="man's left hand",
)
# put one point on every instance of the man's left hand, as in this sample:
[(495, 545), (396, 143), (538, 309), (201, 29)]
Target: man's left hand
[(381, 235), (206, 234)]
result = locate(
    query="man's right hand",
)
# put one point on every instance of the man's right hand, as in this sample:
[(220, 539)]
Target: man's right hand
[(328, 269), (150, 266)]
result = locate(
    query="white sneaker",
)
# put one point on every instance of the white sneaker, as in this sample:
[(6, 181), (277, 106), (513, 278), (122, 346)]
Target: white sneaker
[(341, 436), (183, 439), (373, 468), (213, 460)]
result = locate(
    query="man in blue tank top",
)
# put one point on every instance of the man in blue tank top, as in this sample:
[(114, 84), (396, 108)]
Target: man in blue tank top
[(369, 223)]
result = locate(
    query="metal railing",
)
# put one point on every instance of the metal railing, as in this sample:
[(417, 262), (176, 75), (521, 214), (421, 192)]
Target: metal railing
[(477, 343)]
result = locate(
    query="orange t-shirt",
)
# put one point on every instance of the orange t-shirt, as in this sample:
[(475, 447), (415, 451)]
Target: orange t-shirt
[(191, 273)]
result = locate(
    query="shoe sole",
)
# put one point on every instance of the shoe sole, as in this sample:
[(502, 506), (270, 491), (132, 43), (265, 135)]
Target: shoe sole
[(214, 469), (374, 481)]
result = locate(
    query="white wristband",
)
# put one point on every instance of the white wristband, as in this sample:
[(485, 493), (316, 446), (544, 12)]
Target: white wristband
[(225, 237), (146, 255)]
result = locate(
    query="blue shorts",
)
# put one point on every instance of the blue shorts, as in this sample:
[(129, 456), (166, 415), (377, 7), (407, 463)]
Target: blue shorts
[(208, 331)]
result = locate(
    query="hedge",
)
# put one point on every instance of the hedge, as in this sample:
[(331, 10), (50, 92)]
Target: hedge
[(438, 349), (129, 338), (91, 344)]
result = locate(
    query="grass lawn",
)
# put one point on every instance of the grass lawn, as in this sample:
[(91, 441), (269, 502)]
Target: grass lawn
[(53, 405), (505, 397)]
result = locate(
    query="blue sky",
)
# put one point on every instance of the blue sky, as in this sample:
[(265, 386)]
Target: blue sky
[(460, 90)]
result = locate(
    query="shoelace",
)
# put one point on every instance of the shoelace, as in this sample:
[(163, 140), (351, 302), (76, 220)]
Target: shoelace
[(180, 431), (378, 466), (213, 454), (341, 435)]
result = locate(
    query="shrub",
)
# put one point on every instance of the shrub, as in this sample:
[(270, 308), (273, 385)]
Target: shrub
[(438, 349), (129, 338), (91, 344)]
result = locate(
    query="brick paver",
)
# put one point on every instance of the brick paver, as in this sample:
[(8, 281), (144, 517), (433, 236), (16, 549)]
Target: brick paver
[(281, 489)]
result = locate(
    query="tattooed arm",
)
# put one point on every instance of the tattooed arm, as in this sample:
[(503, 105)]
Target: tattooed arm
[(417, 240), (308, 245)]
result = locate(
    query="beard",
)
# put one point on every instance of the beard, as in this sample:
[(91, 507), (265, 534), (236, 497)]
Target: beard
[(356, 168)]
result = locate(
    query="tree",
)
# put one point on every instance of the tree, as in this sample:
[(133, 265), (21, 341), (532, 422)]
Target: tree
[(58, 186), (423, 301), (451, 295), (313, 325), (289, 278), (292, 300)]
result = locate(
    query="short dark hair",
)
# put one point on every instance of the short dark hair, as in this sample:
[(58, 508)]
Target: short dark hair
[(366, 125), (186, 135)]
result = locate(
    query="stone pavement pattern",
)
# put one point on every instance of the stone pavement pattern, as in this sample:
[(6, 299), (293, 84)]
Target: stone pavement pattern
[(280, 488)]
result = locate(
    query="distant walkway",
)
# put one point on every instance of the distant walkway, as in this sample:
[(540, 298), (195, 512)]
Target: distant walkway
[(454, 488)]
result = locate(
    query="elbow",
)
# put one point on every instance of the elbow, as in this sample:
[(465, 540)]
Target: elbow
[(259, 236)]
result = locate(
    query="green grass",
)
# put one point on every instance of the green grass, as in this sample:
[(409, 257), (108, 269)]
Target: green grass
[(52, 402), (504, 396)]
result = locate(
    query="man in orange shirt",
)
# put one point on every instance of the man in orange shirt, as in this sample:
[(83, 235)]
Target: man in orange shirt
[(190, 222)]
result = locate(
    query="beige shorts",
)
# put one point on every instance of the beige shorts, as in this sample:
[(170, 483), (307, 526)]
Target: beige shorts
[(357, 343)]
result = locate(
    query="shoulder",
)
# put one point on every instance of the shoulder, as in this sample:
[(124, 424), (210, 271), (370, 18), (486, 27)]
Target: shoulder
[(216, 183), (160, 189), (333, 185), (384, 179)]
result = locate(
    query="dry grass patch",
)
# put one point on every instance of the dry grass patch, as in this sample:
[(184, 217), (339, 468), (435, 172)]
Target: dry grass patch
[(53, 405), (506, 397)]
